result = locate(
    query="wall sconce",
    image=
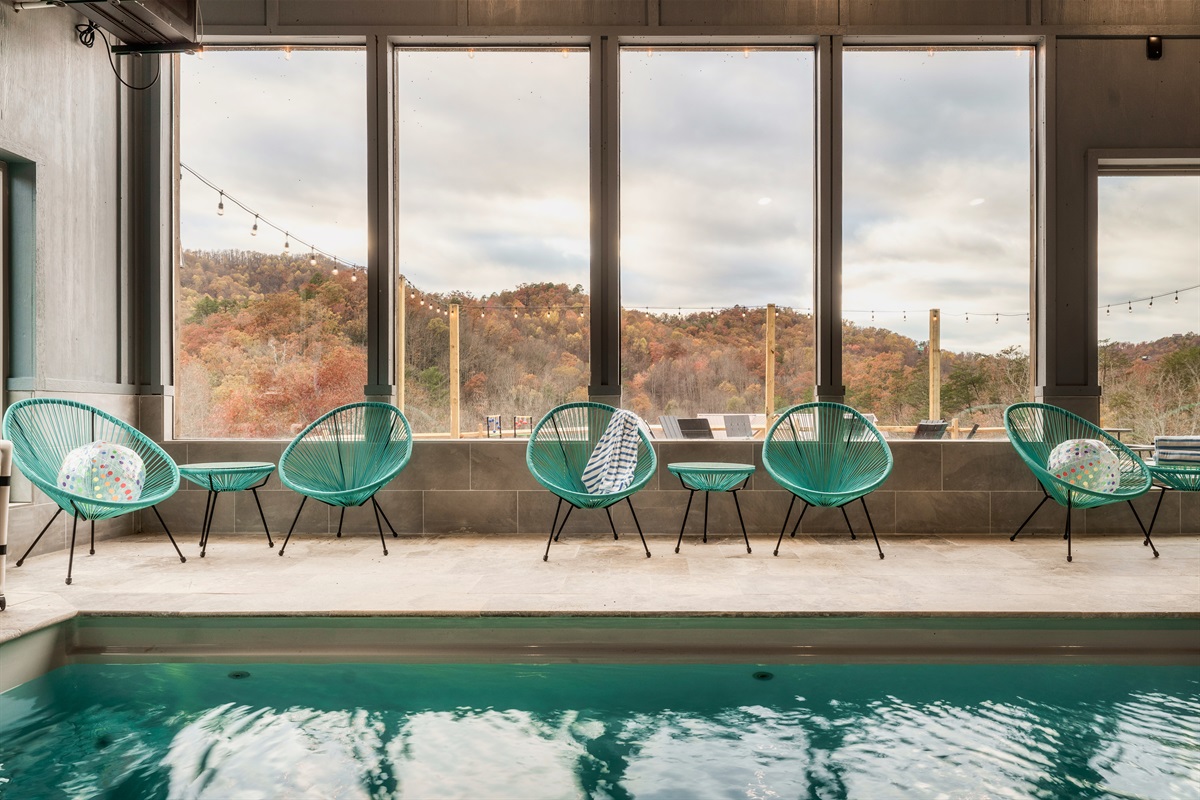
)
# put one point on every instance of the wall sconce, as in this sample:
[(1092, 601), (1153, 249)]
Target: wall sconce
[(1154, 46)]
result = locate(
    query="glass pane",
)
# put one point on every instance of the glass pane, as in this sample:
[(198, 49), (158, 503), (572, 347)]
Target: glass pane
[(936, 215), (494, 216), (1149, 295), (716, 223), (272, 329)]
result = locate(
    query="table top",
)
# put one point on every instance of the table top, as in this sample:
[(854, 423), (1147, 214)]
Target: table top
[(204, 468), (709, 466)]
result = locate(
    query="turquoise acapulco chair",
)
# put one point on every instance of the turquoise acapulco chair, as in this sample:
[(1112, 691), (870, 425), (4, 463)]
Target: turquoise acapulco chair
[(1035, 429), (829, 455), (45, 430), (559, 449), (345, 457)]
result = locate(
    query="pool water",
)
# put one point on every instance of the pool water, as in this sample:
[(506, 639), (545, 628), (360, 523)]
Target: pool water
[(601, 731)]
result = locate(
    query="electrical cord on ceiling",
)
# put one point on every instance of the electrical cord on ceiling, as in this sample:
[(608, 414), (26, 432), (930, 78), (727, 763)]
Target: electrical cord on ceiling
[(87, 37)]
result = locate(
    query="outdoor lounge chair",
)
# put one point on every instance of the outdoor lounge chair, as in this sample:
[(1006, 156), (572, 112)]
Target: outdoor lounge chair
[(345, 457), (827, 454), (1035, 429), (559, 449), (737, 426), (931, 429), (695, 428), (45, 430), (670, 427)]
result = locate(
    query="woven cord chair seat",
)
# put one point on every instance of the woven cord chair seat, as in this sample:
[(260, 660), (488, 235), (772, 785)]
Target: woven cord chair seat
[(829, 455), (1035, 429), (345, 457), (559, 448), (45, 430)]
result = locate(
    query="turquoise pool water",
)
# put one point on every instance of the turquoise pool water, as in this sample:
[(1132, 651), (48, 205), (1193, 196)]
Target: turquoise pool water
[(602, 731)]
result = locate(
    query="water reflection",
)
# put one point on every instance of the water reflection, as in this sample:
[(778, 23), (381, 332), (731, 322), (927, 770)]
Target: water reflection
[(603, 732)]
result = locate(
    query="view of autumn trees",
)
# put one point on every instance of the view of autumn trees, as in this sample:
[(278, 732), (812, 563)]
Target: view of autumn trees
[(270, 342)]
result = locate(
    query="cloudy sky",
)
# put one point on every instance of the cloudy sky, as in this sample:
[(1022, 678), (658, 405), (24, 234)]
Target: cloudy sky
[(716, 180)]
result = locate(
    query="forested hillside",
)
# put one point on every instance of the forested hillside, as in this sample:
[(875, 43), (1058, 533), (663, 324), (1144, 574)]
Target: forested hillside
[(268, 343)]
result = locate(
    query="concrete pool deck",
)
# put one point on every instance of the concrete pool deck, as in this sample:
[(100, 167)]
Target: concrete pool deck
[(490, 575)]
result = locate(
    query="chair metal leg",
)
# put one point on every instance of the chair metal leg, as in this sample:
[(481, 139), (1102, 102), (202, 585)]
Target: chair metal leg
[(208, 502), (71, 557), (92, 546), (386, 521), (785, 522), (21, 560), (738, 506), (846, 517), (638, 524), (1145, 530), (168, 532), (555, 534), (375, 508), (610, 523), (686, 511), (1067, 534), (208, 521), (872, 524), (262, 516), (341, 519), (705, 539), (554, 525), (286, 539), (1045, 497)]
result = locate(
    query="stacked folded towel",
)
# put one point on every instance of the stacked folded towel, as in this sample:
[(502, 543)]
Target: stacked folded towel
[(1177, 449)]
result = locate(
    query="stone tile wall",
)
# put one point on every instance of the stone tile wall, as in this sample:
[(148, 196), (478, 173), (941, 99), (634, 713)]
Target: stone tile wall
[(950, 487)]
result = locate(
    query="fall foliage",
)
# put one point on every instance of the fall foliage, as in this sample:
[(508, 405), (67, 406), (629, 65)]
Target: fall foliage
[(267, 343)]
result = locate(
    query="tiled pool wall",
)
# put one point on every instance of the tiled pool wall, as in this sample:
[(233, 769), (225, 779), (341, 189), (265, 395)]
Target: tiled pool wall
[(483, 486)]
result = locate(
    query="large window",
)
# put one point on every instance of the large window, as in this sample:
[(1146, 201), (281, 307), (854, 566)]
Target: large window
[(493, 219), (716, 224), (936, 223), (1149, 294), (271, 305)]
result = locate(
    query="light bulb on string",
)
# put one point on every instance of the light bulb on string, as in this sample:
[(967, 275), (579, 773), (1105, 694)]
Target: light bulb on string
[(312, 258), (872, 316), (1176, 297), (335, 266), (354, 277), (905, 316), (1130, 306), (1151, 303), (254, 227), (413, 296), (287, 243), (997, 319), (1108, 311), (221, 205)]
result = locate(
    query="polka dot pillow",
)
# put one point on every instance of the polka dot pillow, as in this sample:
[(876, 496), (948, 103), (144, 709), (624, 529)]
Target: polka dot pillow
[(103, 471), (1086, 463)]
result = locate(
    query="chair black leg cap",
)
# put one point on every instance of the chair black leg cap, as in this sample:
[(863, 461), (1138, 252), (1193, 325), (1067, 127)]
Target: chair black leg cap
[(545, 558), (1068, 559), (68, 581), (91, 552), (881, 556), (182, 560)]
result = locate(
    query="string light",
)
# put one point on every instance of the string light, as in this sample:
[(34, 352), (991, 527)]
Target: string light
[(312, 259), (287, 243), (222, 194), (354, 277), (335, 267)]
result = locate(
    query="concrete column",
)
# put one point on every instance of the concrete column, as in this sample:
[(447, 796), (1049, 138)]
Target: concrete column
[(381, 220), (605, 384), (827, 262)]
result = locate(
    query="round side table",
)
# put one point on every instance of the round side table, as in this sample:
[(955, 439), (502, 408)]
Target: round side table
[(227, 476), (1180, 477), (711, 476)]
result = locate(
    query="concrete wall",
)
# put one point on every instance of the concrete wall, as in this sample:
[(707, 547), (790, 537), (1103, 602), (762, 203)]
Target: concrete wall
[(951, 487), (59, 109), (1108, 96)]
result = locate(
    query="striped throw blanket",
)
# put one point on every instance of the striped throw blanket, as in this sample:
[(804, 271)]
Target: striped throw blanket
[(610, 467), (1177, 449)]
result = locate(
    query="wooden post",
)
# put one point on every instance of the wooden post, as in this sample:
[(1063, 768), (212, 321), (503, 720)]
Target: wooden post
[(455, 433), (769, 389), (935, 363), (401, 355)]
